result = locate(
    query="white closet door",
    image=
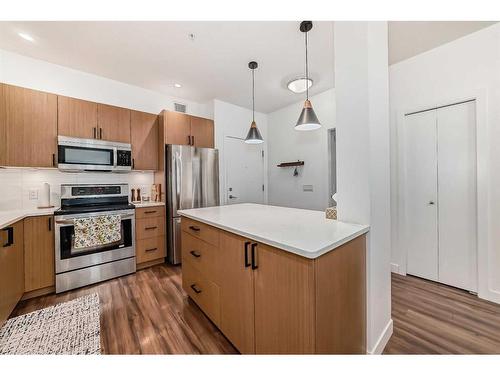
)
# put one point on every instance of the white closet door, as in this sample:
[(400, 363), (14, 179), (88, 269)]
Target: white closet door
[(421, 194), (457, 195)]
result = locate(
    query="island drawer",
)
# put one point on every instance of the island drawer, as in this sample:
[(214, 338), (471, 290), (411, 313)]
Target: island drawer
[(200, 254), (146, 212), (204, 292), (150, 249), (200, 230), (149, 227)]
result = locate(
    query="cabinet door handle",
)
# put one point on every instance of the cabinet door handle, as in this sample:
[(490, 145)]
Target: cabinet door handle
[(100, 133), (254, 258), (50, 224), (94, 132), (150, 228), (150, 212), (133, 163), (196, 229), (196, 290), (247, 263), (192, 140), (53, 160), (10, 236), (195, 254), (189, 140), (152, 249)]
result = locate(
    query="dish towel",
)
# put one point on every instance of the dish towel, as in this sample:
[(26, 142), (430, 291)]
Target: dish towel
[(97, 231)]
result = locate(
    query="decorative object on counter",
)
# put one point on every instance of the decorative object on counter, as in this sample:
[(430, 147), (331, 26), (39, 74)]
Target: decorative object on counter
[(136, 195), (253, 136), (145, 198), (155, 192), (133, 197), (44, 196), (307, 119), (295, 164), (71, 327), (331, 213)]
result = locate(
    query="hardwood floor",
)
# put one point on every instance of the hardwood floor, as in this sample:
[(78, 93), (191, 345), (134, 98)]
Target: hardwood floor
[(149, 313), (146, 313), (431, 318)]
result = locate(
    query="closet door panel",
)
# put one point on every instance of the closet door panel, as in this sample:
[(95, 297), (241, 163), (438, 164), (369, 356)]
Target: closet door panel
[(420, 169), (457, 195)]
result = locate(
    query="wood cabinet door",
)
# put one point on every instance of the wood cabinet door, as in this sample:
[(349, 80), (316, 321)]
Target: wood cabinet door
[(113, 123), (202, 132), (144, 139), (177, 128), (28, 127), (236, 293), (284, 302), (39, 271), (76, 117), (11, 270)]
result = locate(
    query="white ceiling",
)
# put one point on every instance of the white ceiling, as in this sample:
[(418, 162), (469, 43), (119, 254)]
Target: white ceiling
[(410, 38), (155, 55)]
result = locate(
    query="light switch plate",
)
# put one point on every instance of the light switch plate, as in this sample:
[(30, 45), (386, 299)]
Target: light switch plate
[(33, 194), (307, 188)]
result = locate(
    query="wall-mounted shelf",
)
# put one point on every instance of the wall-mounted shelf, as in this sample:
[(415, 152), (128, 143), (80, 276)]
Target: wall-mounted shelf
[(291, 164)]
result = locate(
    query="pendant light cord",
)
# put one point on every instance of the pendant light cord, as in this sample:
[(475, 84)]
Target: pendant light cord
[(307, 72), (253, 95)]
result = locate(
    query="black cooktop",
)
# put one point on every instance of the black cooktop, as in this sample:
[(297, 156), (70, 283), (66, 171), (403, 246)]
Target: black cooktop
[(71, 210)]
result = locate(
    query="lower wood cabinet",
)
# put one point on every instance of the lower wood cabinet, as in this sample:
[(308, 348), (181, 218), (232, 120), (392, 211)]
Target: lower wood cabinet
[(39, 268), (11, 268), (269, 301), (150, 236)]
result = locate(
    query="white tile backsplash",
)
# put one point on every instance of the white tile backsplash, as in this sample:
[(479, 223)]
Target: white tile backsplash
[(16, 183)]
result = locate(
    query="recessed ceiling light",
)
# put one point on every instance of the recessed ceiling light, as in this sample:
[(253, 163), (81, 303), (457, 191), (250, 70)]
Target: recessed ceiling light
[(27, 37), (298, 85), (177, 85)]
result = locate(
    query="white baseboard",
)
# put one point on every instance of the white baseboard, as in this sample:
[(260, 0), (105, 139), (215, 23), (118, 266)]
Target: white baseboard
[(394, 268), (490, 295), (383, 339)]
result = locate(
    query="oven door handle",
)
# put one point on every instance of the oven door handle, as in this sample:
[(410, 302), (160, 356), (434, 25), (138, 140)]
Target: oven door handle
[(71, 221)]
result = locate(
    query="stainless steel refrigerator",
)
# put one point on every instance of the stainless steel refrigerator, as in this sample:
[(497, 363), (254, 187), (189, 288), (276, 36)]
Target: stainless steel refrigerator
[(192, 181)]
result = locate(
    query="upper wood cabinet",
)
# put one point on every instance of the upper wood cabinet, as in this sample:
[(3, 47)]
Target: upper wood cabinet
[(11, 268), (113, 123), (144, 137), (183, 129), (28, 127), (76, 118), (39, 271), (202, 132)]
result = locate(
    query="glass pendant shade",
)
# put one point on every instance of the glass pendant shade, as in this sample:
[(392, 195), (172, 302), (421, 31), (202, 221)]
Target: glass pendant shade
[(253, 135), (307, 119)]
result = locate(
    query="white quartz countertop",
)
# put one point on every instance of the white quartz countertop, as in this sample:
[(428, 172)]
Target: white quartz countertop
[(148, 204), (304, 232), (10, 217)]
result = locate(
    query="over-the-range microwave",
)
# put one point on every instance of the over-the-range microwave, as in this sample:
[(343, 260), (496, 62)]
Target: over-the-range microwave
[(80, 154)]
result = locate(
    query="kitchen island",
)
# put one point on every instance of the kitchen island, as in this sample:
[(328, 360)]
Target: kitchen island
[(277, 280)]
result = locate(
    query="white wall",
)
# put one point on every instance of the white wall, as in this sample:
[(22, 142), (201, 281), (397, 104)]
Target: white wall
[(287, 144), (40, 75), (233, 120), (465, 68), (363, 160)]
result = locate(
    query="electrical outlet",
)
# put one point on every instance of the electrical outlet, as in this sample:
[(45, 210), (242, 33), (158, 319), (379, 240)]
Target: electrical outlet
[(307, 188), (33, 194)]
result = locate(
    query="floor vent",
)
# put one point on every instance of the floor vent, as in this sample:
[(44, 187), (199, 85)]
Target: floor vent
[(180, 107)]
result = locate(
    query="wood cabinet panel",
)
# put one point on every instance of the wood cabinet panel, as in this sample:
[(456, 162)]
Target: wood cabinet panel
[(236, 293), (11, 270), (284, 302), (144, 139), (202, 132), (76, 117), (150, 249), (39, 269), (113, 123), (177, 128), (200, 230), (145, 212), (28, 127), (149, 227), (202, 255)]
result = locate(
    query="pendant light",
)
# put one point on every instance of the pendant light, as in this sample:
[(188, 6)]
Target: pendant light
[(253, 136), (307, 119)]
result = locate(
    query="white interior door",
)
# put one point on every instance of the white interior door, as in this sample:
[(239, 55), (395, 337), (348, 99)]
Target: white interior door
[(420, 194), (457, 195), (244, 171)]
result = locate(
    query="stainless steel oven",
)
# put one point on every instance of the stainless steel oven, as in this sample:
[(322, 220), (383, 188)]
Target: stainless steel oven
[(79, 154), (76, 267)]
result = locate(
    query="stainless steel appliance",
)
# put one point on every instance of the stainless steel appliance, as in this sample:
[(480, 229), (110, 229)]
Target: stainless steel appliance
[(77, 154), (76, 267), (192, 181)]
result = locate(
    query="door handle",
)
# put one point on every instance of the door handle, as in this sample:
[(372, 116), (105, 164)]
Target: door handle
[(195, 254), (53, 160), (192, 140), (196, 229), (247, 263), (196, 290), (100, 133), (189, 140), (10, 236), (133, 163), (254, 259), (152, 249), (94, 132), (232, 196), (431, 203), (150, 228), (50, 224)]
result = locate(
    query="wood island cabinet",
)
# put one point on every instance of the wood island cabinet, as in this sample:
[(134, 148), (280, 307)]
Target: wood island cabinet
[(28, 127), (269, 301), (144, 138)]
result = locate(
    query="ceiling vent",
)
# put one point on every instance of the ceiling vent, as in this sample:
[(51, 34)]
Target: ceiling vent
[(179, 107)]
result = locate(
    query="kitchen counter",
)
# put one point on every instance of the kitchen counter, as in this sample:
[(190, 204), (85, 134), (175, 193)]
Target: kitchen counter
[(303, 232), (10, 217), (148, 204)]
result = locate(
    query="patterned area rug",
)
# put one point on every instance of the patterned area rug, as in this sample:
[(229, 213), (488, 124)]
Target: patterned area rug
[(66, 328)]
